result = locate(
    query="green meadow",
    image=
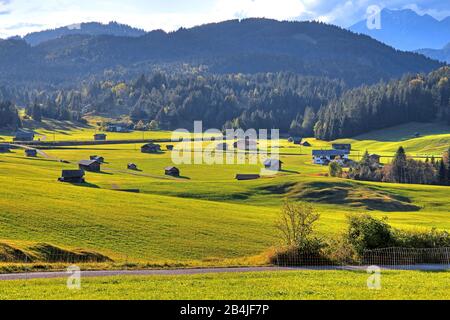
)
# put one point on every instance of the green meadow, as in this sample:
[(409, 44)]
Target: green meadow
[(289, 285), (204, 217)]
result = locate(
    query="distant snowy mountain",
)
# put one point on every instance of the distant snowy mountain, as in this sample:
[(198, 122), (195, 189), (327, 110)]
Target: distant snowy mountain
[(407, 30), (92, 29)]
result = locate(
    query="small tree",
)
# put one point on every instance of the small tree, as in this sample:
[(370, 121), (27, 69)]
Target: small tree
[(335, 169), (296, 223)]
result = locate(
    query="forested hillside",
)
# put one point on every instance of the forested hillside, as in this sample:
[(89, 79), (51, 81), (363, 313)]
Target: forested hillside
[(292, 103), (422, 98), (246, 46)]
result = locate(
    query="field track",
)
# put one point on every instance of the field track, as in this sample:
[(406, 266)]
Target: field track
[(177, 272)]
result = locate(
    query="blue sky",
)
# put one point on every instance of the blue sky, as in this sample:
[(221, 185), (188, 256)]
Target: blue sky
[(18, 17)]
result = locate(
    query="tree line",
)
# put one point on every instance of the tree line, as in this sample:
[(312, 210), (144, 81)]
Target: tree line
[(404, 169), (295, 104)]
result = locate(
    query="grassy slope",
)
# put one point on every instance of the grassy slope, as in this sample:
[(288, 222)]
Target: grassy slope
[(207, 214), (434, 139), (347, 285)]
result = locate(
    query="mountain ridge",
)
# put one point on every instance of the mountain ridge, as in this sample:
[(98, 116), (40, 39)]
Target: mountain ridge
[(407, 30), (86, 28), (234, 46)]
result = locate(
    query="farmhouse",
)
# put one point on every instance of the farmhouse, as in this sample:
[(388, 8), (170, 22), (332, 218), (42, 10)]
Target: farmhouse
[(4, 148), (132, 166), (89, 165), (116, 128), (31, 152), (273, 164), (324, 157), (23, 136), (72, 176), (151, 148), (172, 171), (100, 137), (342, 146), (98, 159), (243, 177)]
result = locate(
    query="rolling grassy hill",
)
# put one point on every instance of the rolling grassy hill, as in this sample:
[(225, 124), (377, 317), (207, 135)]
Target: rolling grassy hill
[(206, 217), (433, 140)]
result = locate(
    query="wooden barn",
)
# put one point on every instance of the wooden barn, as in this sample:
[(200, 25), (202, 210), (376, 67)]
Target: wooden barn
[(151, 148), (23, 136), (89, 165), (132, 166), (5, 148), (172, 171), (243, 177), (72, 176), (100, 137), (31, 152), (273, 164), (297, 140), (98, 159)]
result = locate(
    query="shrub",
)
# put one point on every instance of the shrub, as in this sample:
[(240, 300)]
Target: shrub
[(365, 232), (296, 223), (335, 170)]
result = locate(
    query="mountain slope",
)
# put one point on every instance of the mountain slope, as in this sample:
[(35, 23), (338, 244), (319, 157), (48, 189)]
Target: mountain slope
[(406, 30), (92, 28), (436, 54), (247, 46)]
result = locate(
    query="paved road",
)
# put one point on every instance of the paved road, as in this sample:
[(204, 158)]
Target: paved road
[(173, 272)]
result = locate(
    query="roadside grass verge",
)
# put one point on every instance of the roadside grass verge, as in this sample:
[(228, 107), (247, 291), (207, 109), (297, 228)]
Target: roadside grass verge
[(287, 285)]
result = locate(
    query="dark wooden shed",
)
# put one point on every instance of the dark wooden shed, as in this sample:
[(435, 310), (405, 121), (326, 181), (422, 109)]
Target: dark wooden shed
[(273, 164), (23, 135), (100, 137), (89, 165), (151, 148), (172, 171), (243, 177), (31, 152), (72, 176), (98, 159), (132, 166), (4, 148)]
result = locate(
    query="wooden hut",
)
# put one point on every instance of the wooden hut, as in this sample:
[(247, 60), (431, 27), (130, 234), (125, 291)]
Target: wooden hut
[(72, 176), (172, 171), (132, 166), (243, 177), (89, 165), (151, 148), (100, 137), (31, 153), (273, 164)]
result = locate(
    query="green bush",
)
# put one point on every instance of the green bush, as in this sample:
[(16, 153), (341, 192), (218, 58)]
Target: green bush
[(365, 232), (429, 239), (335, 170)]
